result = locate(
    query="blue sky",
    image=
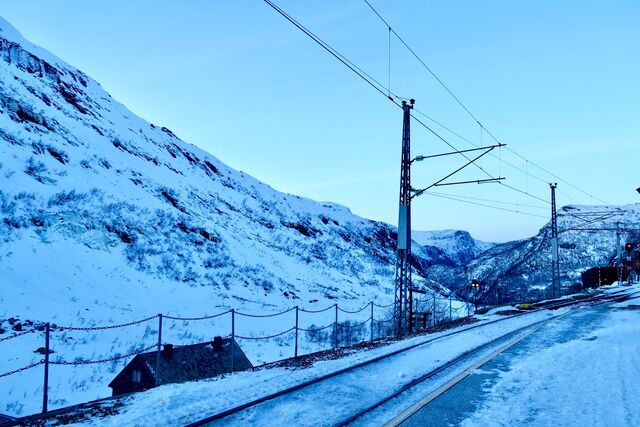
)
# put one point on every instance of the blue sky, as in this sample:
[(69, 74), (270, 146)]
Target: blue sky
[(559, 82)]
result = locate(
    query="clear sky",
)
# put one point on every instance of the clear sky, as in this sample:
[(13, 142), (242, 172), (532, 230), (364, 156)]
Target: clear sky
[(557, 81)]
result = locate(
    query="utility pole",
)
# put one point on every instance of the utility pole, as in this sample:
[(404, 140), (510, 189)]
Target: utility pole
[(555, 266), (402, 302), (618, 253)]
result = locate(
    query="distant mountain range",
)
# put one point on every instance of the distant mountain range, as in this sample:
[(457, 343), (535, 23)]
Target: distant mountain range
[(588, 236)]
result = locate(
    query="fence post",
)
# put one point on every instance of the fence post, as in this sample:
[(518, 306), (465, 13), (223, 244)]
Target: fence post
[(233, 336), (296, 352), (434, 310), (335, 328), (450, 316), (159, 349), (45, 398), (371, 320)]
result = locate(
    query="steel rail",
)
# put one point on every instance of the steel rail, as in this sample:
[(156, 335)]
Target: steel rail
[(246, 405), (515, 334)]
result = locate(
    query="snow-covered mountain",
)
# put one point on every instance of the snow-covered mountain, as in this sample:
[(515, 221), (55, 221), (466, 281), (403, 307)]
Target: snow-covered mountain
[(588, 236), (106, 218), (457, 245), (81, 171)]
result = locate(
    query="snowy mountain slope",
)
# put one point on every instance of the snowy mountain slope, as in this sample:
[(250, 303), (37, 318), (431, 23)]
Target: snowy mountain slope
[(516, 270), (458, 245), (106, 218), (79, 166)]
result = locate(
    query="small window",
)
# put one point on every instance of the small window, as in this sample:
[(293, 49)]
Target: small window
[(135, 376)]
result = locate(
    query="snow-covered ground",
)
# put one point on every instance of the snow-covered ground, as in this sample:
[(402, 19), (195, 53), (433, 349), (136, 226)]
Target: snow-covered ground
[(183, 403), (588, 381)]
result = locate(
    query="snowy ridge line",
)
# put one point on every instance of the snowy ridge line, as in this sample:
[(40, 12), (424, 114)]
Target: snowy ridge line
[(473, 352), (230, 411)]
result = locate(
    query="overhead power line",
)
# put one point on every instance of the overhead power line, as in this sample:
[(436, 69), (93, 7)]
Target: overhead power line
[(491, 201), (486, 205), (380, 88), (422, 62), (468, 111), (358, 71)]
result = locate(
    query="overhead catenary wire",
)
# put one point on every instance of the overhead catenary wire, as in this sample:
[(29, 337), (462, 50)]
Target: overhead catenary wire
[(467, 110), (491, 201), (385, 91), (357, 70), (486, 205), (422, 62)]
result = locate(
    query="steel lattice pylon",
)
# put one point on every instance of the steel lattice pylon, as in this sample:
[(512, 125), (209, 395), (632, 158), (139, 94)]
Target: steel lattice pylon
[(402, 302), (555, 265)]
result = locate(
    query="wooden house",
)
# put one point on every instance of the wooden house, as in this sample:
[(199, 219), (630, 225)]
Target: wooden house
[(180, 364)]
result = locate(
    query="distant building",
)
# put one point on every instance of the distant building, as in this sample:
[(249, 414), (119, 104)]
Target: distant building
[(180, 364)]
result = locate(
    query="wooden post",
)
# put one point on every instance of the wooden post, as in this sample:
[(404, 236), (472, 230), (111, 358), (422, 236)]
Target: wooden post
[(45, 398), (159, 349), (233, 337), (335, 328), (296, 351), (450, 314), (371, 320)]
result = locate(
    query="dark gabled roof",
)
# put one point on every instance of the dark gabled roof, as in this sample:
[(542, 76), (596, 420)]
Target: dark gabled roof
[(6, 418), (193, 362)]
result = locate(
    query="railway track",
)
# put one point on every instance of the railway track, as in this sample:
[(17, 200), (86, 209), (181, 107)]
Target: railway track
[(503, 340)]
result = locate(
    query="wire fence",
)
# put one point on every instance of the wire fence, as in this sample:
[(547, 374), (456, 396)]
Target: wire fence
[(340, 332)]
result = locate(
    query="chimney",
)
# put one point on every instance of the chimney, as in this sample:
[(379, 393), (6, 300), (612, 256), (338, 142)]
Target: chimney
[(167, 350), (217, 343)]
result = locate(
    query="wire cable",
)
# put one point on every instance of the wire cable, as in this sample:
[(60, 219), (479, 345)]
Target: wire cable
[(446, 88), (487, 206), (382, 89), (491, 201)]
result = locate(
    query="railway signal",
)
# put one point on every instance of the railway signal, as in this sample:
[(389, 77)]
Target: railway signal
[(475, 286)]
